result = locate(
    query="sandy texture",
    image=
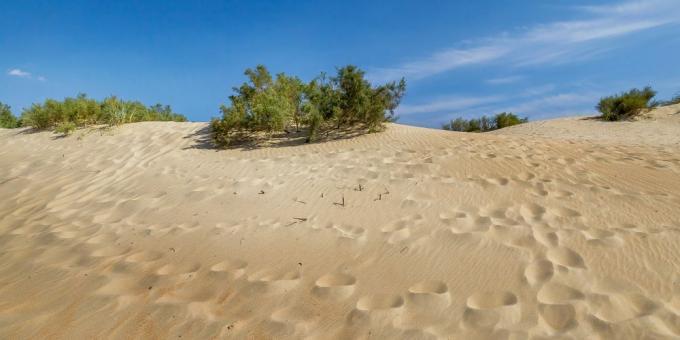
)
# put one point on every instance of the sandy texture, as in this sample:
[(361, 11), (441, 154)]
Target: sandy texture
[(659, 127), (145, 232)]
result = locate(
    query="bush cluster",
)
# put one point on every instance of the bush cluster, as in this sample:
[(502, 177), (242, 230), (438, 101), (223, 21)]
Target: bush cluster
[(266, 105), (484, 123), (83, 111), (7, 119), (627, 104)]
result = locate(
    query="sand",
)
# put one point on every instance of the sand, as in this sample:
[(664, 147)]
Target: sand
[(146, 232)]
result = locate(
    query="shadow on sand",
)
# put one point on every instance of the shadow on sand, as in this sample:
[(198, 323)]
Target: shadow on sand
[(203, 139)]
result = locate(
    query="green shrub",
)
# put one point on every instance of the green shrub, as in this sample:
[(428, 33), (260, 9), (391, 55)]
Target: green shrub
[(84, 111), (65, 128), (7, 119), (264, 104), (38, 116), (484, 123), (626, 105), (314, 120), (505, 119)]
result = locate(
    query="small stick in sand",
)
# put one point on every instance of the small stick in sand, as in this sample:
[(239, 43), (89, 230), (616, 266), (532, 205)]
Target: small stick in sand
[(343, 201), (261, 192), (302, 219)]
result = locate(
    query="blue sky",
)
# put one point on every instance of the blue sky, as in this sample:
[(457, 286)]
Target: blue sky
[(540, 58)]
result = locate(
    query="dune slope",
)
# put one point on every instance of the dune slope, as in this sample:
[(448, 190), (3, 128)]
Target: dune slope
[(145, 232)]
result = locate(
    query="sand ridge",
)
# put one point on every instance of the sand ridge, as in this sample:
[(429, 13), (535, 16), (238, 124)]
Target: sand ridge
[(413, 233)]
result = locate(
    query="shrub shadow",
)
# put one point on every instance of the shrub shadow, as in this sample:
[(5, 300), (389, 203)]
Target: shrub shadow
[(203, 139)]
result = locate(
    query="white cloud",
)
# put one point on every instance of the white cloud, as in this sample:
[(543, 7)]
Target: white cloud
[(553, 105), (453, 103), (504, 80), (15, 72), (439, 62), (562, 41)]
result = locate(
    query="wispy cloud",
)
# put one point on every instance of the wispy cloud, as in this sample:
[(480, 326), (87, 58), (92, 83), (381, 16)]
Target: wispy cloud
[(551, 42), (504, 80), (15, 72), (440, 62), (553, 105), (452, 103)]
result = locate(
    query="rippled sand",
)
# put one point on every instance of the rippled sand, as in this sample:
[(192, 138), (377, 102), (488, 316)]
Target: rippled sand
[(145, 232)]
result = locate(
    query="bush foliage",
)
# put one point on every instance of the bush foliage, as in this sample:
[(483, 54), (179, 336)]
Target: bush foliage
[(267, 104), (627, 104), (484, 123), (7, 119), (83, 111)]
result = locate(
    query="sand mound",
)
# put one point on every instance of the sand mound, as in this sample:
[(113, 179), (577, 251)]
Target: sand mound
[(658, 127), (146, 232)]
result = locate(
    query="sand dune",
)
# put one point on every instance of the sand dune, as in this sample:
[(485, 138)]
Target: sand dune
[(143, 232)]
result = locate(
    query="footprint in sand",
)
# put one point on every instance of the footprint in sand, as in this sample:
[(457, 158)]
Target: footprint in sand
[(558, 317), (144, 256), (170, 269), (428, 295), (334, 286), (565, 257), (401, 229), (490, 300), (616, 308), (557, 293), (538, 272), (491, 309), (601, 237), (274, 281), (379, 302), (111, 251), (234, 267)]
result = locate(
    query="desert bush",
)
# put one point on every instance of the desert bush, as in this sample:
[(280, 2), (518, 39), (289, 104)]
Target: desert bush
[(627, 104), (65, 128), (484, 123), (506, 119), (7, 119), (83, 111), (264, 104)]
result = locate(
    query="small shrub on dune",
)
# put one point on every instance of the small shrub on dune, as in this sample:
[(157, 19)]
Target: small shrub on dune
[(7, 119), (65, 128), (266, 105), (484, 123), (505, 119), (82, 111), (627, 104)]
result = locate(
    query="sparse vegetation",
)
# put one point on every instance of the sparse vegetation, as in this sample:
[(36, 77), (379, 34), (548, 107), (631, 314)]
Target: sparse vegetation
[(7, 119), (65, 128), (627, 104), (484, 123), (672, 101), (265, 105), (81, 111)]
